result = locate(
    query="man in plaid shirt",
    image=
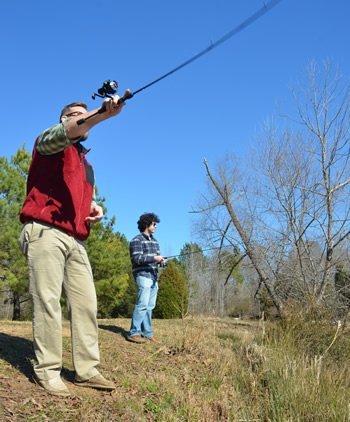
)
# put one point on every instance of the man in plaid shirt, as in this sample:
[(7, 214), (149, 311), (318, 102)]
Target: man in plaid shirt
[(145, 258)]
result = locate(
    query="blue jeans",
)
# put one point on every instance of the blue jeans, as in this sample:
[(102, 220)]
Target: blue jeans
[(141, 323)]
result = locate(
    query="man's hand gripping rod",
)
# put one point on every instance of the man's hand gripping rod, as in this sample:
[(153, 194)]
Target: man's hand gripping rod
[(108, 89)]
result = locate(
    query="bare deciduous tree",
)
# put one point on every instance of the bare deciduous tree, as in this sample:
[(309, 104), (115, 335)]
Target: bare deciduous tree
[(290, 212)]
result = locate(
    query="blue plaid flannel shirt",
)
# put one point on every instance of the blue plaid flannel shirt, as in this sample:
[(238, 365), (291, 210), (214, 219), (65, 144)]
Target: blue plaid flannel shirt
[(142, 252)]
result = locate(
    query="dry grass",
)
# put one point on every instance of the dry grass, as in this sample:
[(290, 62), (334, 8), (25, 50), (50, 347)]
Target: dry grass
[(204, 370)]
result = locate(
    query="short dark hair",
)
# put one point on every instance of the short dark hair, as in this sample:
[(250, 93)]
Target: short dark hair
[(146, 220), (75, 104)]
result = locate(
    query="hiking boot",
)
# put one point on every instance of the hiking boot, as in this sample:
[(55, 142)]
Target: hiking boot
[(54, 386), (98, 381), (136, 339)]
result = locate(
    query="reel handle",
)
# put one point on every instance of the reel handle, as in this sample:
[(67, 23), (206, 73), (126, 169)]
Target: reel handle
[(127, 95)]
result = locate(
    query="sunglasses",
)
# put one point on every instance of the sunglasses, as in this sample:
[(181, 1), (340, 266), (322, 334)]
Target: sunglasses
[(74, 113)]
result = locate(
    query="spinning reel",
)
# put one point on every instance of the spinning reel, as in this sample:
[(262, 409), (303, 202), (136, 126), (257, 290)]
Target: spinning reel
[(110, 88), (107, 90)]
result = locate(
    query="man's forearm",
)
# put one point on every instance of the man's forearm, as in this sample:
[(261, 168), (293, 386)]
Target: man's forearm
[(75, 131)]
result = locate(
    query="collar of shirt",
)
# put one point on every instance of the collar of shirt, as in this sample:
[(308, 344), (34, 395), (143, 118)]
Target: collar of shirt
[(150, 237), (81, 148)]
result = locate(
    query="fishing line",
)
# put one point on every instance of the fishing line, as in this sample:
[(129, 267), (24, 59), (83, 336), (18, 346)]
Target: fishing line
[(110, 87), (194, 252), (254, 17)]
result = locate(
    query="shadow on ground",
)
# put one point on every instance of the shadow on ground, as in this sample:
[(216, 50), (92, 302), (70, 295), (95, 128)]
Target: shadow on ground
[(114, 329), (18, 352)]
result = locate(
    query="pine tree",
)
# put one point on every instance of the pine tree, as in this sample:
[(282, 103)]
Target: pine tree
[(172, 301), (109, 257), (107, 250), (13, 268)]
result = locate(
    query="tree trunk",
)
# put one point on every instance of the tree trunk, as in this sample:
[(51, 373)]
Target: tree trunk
[(16, 307), (264, 280)]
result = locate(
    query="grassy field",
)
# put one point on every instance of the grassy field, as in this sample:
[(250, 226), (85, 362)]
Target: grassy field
[(203, 370)]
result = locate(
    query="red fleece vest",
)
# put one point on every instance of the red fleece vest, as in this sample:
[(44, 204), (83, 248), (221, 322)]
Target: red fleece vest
[(59, 191)]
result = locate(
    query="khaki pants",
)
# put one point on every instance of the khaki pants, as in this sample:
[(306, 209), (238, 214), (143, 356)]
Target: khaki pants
[(57, 260)]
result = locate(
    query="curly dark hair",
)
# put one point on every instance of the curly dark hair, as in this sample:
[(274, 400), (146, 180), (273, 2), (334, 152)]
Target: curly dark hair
[(146, 220)]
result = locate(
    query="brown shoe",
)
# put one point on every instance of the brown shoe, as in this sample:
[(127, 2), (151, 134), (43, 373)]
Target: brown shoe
[(136, 339), (98, 381), (152, 339)]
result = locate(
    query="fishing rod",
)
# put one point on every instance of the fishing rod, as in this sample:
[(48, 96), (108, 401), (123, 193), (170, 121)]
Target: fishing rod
[(233, 265), (193, 252), (110, 87)]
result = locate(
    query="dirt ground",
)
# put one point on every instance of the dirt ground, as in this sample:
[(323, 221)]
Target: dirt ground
[(172, 380)]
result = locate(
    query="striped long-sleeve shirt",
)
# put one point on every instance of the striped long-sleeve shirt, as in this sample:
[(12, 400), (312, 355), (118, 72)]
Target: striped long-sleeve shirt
[(52, 140), (143, 249)]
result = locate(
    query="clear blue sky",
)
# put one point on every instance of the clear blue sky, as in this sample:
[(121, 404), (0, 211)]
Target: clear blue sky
[(149, 158)]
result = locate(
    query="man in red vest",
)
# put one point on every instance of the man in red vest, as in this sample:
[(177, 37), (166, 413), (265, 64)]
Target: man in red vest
[(57, 214)]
